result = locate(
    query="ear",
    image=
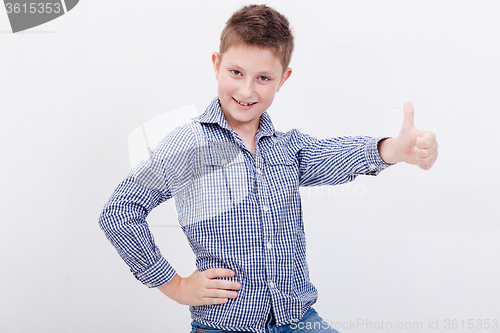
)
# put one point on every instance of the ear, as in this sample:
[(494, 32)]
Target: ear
[(285, 77), (216, 62)]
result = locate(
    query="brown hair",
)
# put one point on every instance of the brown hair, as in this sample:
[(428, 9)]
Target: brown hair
[(262, 26)]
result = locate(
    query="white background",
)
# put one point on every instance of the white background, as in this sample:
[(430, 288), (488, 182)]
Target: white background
[(406, 246)]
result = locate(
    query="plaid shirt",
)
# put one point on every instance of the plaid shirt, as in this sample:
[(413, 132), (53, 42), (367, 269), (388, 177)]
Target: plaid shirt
[(238, 210)]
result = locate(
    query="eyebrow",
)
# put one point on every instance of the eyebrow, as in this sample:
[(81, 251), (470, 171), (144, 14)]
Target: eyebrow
[(267, 73)]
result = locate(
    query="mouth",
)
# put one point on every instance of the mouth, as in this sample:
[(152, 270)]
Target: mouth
[(244, 103)]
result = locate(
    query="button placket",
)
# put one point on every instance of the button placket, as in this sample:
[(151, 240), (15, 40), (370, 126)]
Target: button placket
[(266, 220)]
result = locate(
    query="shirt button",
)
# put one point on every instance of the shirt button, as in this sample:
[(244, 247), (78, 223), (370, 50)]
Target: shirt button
[(223, 161), (258, 171), (372, 166), (265, 208), (269, 245), (271, 284), (149, 285)]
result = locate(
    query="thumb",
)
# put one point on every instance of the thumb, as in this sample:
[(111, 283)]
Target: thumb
[(408, 115)]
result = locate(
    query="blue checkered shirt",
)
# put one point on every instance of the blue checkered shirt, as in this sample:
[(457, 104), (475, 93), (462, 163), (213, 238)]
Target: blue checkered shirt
[(238, 210)]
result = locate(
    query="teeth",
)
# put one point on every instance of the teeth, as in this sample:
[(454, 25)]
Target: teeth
[(245, 104)]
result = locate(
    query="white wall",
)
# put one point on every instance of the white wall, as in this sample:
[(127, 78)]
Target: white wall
[(406, 246)]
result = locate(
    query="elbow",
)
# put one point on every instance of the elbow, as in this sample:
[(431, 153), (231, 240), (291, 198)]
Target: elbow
[(105, 221), (103, 225)]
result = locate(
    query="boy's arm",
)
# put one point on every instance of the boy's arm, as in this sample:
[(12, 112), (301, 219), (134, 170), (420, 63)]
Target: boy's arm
[(412, 146), (124, 222), (340, 160)]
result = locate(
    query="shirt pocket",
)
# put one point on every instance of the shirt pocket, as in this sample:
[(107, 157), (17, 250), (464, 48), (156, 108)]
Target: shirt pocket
[(220, 183), (283, 172), (224, 164)]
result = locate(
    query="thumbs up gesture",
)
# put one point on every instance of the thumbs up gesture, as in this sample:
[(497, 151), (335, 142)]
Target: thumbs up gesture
[(413, 145), (416, 146)]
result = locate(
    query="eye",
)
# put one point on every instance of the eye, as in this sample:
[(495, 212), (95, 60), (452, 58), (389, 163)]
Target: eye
[(235, 72), (264, 78)]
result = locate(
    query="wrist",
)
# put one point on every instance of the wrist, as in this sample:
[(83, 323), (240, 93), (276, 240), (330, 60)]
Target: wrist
[(170, 288), (388, 150)]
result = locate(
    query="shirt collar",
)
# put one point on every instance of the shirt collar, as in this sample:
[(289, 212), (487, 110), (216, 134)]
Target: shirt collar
[(213, 114)]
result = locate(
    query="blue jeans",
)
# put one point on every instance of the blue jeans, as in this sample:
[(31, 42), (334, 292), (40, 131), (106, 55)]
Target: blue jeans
[(311, 322)]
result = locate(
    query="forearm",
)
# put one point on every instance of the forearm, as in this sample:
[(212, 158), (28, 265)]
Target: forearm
[(169, 289), (389, 151), (123, 221)]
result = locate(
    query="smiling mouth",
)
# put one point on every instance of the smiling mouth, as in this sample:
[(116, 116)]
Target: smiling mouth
[(244, 103)]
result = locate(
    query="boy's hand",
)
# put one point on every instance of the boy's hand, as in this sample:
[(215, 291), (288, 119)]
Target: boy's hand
[(413, 146), (416, 146), (202, 288)]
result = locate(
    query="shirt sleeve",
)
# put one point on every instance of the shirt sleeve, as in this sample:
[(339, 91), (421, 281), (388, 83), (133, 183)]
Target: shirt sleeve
[(123, 218), (338, 160)]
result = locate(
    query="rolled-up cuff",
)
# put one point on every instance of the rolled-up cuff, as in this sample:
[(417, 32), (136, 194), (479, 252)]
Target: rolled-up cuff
[(157, 275), (375, 163)]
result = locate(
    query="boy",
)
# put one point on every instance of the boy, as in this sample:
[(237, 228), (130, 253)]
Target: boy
[(236, 184)]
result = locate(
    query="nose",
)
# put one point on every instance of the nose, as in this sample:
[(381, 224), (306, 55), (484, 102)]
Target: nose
[(246, 88)]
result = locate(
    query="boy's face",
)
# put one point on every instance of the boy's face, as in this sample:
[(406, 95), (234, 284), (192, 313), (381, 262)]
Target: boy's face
[(249, 77)]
